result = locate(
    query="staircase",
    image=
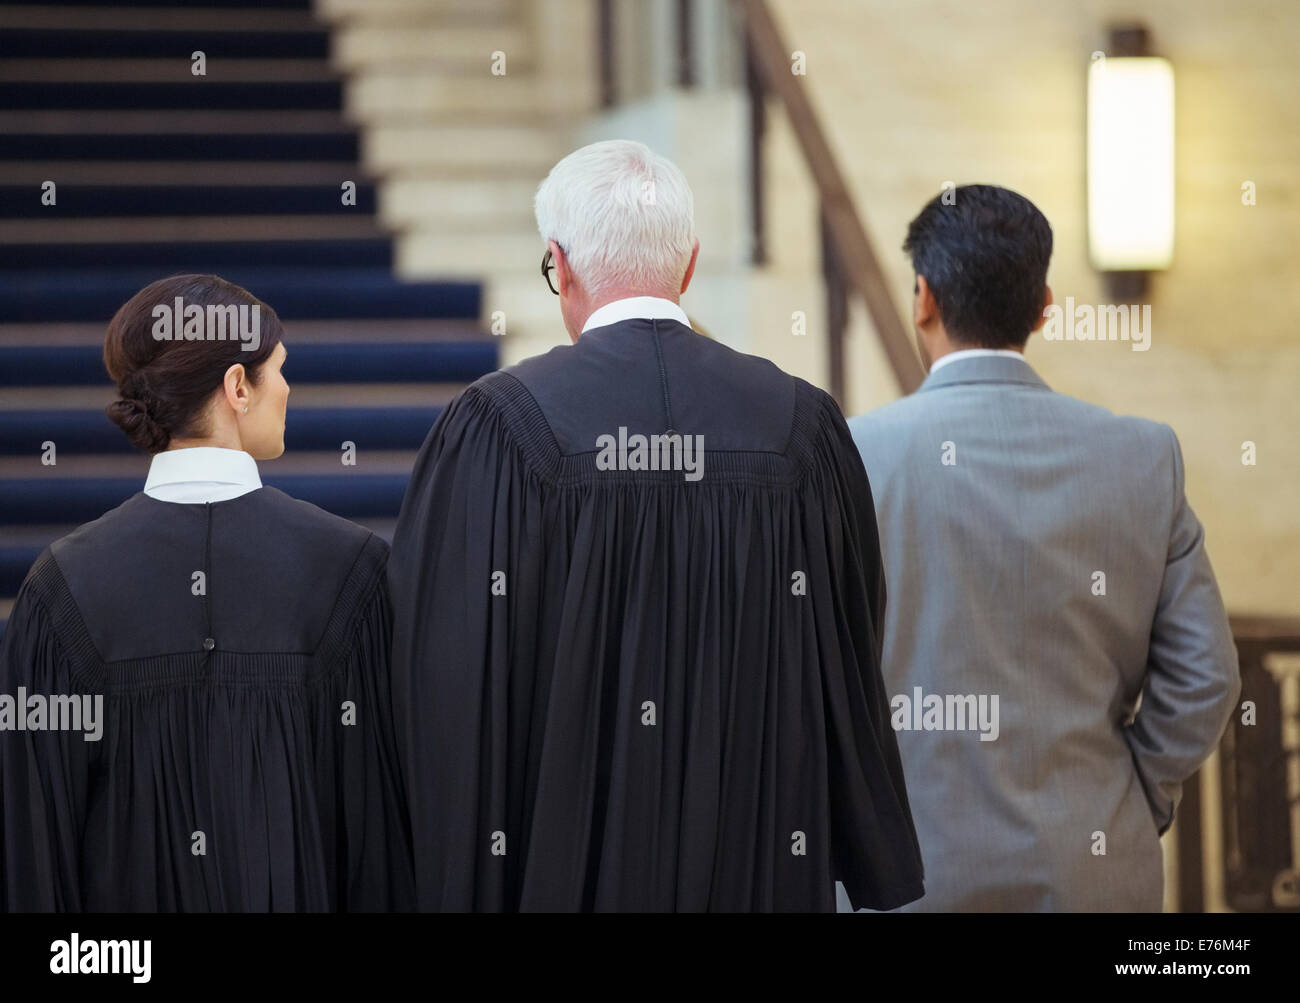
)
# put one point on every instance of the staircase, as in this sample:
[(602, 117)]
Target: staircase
[(465, 107), (237, 172)]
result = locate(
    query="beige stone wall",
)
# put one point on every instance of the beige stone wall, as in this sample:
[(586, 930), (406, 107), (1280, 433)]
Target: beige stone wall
[(913, 93), (925, 91)]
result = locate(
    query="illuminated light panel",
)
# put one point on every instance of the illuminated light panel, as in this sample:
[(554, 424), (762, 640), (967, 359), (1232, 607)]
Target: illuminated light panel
[(1131, 163)]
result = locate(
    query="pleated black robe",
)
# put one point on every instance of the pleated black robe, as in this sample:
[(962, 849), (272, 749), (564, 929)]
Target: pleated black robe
[(629, 690), (246, 760)]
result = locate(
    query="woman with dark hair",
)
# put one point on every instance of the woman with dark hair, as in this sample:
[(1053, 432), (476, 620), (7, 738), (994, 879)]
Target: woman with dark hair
[(201, 719)]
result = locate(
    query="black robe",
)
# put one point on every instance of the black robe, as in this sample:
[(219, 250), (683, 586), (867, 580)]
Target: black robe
[(229, 775), (629, 690)]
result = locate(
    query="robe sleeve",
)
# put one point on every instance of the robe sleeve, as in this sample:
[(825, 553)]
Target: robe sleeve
[(875, 848), (44, 775), (372, 804), (451, 570)]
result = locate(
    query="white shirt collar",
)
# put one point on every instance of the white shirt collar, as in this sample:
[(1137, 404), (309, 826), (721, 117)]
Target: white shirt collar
[(201, 474), (972, 353), (647, 307)]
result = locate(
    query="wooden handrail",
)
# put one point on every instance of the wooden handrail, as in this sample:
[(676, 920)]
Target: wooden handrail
[(1276, 632), (857, 264)]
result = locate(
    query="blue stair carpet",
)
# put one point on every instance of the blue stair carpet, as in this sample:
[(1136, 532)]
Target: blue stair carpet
[(337, 268)]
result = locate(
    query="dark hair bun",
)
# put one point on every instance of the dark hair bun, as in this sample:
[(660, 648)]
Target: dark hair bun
[(132, 417), (166, 384)]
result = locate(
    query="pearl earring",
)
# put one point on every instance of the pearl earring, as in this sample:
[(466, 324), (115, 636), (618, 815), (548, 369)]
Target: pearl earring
[(245, 410)]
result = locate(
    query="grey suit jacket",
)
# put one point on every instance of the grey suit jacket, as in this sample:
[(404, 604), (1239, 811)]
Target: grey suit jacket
[(1040, 550)]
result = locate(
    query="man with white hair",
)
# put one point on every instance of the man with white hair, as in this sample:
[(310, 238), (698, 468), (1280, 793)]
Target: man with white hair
[(637, 605)]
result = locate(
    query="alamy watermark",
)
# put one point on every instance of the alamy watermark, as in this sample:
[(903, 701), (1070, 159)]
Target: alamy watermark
[(950, 712), (1105, 322), (210, 322), (668, 451), (57, 712), (75, 956)]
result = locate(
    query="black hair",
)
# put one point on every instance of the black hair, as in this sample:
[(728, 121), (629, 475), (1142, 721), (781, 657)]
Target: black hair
[(983, 251)]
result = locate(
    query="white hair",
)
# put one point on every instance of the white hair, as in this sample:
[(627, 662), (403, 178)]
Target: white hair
[(623, 215)]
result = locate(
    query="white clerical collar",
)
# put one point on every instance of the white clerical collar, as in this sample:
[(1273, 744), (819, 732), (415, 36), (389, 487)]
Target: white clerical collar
[(973, 353), (634, 307), (201, 474)]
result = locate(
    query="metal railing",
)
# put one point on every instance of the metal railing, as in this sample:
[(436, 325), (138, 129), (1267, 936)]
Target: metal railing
[(1248, 857), (849, 261)]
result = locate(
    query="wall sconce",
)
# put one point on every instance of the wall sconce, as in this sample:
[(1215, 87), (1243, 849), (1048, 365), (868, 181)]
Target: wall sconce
[(1130, 162)]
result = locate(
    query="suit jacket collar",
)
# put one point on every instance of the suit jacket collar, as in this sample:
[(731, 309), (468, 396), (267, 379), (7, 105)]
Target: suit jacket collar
[(984, 369)]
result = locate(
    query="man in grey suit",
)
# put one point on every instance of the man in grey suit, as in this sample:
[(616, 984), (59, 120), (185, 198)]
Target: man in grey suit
[(1056, 650)]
